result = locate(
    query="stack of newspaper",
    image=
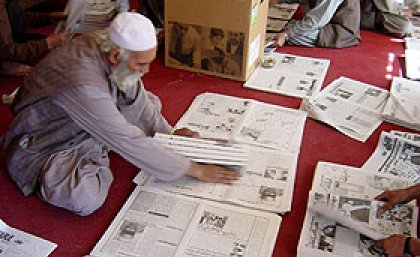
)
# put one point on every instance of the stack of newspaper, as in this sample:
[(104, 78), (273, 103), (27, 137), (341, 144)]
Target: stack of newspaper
[(162, 219), (291, 75), (343, 219), (273, 135), (352, 107), (207, 151), (279, 16), (402, 106), (412, 57), (85, 16)]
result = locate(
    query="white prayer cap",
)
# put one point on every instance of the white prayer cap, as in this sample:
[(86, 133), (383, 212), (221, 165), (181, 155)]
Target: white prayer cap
[(132, 31)]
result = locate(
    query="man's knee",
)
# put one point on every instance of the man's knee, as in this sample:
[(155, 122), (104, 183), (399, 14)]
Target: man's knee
[(82, 196)]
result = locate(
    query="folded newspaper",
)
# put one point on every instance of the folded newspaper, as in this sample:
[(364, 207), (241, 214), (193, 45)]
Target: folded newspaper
[(231, 155), (402, 106), (345, 220), (352, 107), (364, 217)]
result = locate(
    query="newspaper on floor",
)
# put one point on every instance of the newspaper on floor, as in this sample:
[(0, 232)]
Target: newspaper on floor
[(403, 107), (14, 242), (207, 151), (363, 215), (412, 63), (351, 190), (396, 156), (410, 136), (245, 121), (352, 107), (159, 224), (267, 183), (345, 180), (282, 11), (412, 43), (291, 75), (323, 237)]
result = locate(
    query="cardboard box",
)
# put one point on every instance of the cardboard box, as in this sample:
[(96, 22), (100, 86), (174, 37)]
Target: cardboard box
[(224, 38)]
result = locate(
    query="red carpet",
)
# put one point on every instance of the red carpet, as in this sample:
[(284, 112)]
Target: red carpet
[(377, 57)]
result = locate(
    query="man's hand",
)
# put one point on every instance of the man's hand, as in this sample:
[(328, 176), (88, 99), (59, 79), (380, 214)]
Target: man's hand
[(397, 196), (186, 132), (280, 39), (56, 39), (393, 245), (212, 173)]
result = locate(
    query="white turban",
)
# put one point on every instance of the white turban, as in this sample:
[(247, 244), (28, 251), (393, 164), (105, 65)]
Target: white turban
[(132, 31)]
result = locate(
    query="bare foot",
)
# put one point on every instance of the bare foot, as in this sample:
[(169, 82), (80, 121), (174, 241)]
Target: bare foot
[(14, 69)]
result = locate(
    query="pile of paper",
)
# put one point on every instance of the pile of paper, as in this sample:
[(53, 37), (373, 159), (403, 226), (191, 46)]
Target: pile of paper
[(342, 218), (352, 107), (291, 75), (279, 16), (85, 16), (221, 153), (273, 135), (403, 106)]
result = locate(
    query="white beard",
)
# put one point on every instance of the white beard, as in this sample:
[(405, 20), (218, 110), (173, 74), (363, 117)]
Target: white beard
[(123, 77)]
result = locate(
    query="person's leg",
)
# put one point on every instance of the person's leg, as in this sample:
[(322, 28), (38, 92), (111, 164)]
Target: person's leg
[(309, 39), (77, 179), (378, 15), (396, 24)]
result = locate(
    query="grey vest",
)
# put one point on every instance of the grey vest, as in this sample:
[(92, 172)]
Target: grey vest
[(40, 127)]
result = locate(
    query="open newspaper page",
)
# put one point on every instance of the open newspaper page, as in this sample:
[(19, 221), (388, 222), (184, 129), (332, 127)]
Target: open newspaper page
[(215, 116), (291, 75), (267, 183), (412, 43), (349, 191), (14, 242), (246, 121), (352, 107), (410, 136), (158, 224), (363, 215), (412, 63), (403, 107), (273, 126), (323, 237), (396, 156), (345, 180)]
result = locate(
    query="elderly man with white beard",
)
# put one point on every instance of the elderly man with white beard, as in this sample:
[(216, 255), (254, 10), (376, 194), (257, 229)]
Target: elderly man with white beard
[(83, 100)]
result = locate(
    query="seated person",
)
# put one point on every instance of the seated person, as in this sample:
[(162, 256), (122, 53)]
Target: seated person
[(399, 245), (337, 23), (85, 99), (16, 46), (185, 45)]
